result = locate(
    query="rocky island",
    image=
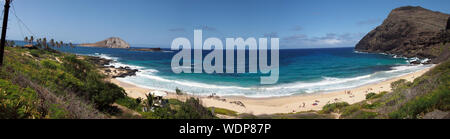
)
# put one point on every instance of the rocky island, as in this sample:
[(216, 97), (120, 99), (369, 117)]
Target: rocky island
[(112, 42), (411, 32)]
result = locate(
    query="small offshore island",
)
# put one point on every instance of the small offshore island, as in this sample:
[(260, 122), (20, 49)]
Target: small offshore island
[(45, 83)]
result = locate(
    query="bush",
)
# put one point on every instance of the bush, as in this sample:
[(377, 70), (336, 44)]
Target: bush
[(364, 115), (49, 64), (334, 107), (224, 111), (178, 91), (374, 96), (134, 104), (370, 95), (437, 99), (17, 102), (350, 109), (398, 83), (192, 109), (371, 106)]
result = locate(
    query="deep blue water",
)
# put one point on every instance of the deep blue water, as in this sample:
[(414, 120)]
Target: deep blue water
[(301, 71)]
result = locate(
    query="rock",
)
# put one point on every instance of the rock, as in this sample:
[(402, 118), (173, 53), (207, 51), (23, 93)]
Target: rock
[(415, 62), (113, 42), (436, 114), (112, 71), (410, 32)]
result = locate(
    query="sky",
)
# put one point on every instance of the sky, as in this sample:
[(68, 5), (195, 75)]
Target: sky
[(155, 23)]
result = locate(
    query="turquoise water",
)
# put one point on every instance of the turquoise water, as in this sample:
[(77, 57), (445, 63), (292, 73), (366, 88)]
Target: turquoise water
[(301, 71)]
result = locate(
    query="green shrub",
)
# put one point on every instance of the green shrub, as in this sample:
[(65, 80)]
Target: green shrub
[(437, 99), (334, 107), (371, 106), (178, 91), (56, 112), (223, 111), (370, 95), (350, 109), (49, 64), (17, 102), (374, 95), (134, 104), (364, 115), (398, 83), (192, 109)]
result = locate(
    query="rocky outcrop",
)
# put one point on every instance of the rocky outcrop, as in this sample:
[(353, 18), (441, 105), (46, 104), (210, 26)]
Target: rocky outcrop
[(410, 32), (111, 71), (113, 42)]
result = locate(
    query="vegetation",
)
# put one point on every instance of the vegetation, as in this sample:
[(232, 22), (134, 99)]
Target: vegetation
[(223, 111), (17, 102), (298, 115), (178, 91), (191, 109), (437, 96), (56, 78), (374, 95), (334, 107), (133, 104), (407, 100)]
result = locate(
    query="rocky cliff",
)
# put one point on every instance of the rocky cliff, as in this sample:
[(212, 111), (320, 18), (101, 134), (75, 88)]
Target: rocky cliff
[(113, 42), (411, 32)]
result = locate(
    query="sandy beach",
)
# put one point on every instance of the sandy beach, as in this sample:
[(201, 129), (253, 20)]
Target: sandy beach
[(286, 104)]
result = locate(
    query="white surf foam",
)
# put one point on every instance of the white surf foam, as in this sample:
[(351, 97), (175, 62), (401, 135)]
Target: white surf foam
[(325, 85)]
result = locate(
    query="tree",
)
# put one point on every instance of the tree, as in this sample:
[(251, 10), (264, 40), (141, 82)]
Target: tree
[(52, 42), (71, 45), (178, 91), (149, 100), (39, 41), (44, 43), (58, 44), (31, 39)]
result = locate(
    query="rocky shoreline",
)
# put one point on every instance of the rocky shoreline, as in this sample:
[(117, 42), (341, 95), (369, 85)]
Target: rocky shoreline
[(111, 71)]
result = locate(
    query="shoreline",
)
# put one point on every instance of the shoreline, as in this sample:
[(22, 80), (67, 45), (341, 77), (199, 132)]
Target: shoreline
[(280, 104)]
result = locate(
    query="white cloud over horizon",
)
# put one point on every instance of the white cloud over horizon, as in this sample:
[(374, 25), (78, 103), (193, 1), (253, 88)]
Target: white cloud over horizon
[(329, 40)]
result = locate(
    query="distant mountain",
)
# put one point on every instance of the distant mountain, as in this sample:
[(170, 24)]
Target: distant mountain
[(112, 42), (411, 32)]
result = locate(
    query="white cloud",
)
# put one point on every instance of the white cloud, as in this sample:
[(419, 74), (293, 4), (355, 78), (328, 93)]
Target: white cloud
[(329, 40)]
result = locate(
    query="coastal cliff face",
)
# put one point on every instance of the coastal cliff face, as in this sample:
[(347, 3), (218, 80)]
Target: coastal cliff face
[(411, 32), (113, 42)]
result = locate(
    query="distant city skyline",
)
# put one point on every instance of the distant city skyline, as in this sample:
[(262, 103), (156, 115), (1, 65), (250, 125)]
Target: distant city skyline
[(298, 24)]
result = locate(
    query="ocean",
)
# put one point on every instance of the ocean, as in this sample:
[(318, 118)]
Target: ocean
[(301, 71)]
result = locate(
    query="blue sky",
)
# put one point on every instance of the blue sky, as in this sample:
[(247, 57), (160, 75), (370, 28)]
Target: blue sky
[(155, 23)]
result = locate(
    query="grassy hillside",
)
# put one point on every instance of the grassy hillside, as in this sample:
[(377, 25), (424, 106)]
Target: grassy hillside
[(44, 83), (407, 100), (59, 85)]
